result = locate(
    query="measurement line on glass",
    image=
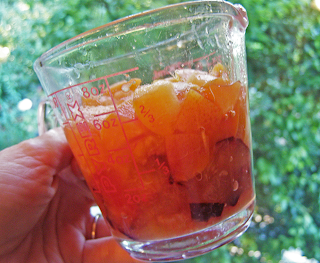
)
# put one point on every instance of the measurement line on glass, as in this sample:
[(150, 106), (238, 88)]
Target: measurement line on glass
[(72, 111), (92, 80), (104, 113), (126, 138)]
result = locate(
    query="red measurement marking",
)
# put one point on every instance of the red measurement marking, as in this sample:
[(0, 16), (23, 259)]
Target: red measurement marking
[(134, 189), (119, 159), (123, 72), (104, 77), (108, 187), (164, 168), (135, 198), (83, 129), (161, 165), (146, 172), (91, 147), (130, 120), (105, 113), (204, 57), (55, 102), (75, 111), (126, 138), (79, 145), (120, 149), (146, 113), (63, 109)]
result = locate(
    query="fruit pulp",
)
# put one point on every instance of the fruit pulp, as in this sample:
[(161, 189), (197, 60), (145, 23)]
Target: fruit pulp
[(171, 157)]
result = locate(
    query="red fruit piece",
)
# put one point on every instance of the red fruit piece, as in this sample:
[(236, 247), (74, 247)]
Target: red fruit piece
[(228, 175)]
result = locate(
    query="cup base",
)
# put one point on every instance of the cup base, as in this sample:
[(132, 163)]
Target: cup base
[(194, 244)]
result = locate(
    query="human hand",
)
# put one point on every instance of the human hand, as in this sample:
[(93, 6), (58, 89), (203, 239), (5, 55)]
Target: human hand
[(45, 207)]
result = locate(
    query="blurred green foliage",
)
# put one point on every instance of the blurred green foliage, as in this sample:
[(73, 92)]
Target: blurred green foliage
[(283, 49)]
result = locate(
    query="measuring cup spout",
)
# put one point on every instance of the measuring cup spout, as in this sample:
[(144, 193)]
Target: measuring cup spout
[(242, 15)]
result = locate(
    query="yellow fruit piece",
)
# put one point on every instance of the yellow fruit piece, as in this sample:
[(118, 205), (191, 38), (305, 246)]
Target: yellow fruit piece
[(225, 96), (120, 91), (218, 70), (157, 106)]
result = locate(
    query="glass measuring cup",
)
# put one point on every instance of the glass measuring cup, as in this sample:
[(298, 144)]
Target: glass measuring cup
[(155, 109)]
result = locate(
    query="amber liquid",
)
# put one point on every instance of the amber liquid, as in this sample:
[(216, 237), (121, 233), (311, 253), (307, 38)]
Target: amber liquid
[(154, 183)]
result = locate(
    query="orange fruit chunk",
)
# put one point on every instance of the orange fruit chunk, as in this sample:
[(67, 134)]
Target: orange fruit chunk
[(188, 155), (182, 88), (117, 130), (225, 96), (228, 126), (147, 146), (157, 106), (243, 131), (197, 114)]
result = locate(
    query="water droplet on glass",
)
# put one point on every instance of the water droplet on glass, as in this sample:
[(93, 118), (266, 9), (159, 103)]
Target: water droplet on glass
[(184, 256), (235, 185), (124, 216), (216, 37), (223, 173), (199, 176), (84, 52), (126, 87), (179, 44), (231, 159), (200, 43), (78, 66), (91, 65), (232, 113), (92, 76)]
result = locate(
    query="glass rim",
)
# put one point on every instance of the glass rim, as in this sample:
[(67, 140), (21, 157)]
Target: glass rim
[(239, 13)]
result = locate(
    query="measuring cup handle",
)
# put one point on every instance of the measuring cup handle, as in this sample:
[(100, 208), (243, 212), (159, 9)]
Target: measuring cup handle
[(41, 118), (45, 120)]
